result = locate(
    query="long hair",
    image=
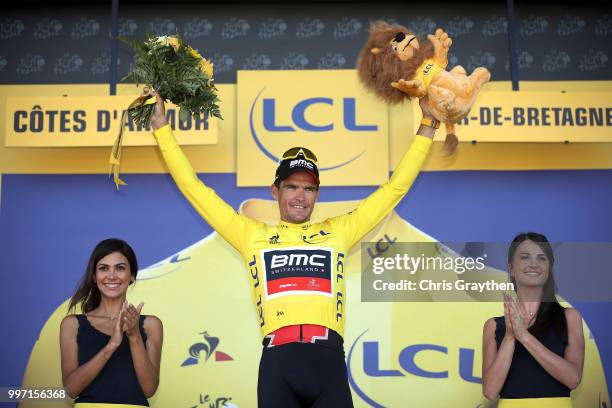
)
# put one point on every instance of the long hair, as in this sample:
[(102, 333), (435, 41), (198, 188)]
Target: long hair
[(550, 314), (87, 293)]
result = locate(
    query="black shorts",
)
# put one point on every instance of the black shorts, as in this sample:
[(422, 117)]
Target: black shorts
[(297, 375)]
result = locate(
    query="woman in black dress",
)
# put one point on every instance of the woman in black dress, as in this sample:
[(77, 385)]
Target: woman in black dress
[(110, 353), (534, 354)]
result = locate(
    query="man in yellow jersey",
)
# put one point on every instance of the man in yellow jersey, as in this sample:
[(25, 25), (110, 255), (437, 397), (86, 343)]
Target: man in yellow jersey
[(296, 268)]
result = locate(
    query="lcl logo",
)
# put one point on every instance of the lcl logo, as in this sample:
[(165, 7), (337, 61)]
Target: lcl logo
[(271, 122), (409, 363), (298, 116)]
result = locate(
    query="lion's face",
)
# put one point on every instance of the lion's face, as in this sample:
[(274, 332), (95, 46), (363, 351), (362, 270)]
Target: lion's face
[(404, 45), (392, 52)]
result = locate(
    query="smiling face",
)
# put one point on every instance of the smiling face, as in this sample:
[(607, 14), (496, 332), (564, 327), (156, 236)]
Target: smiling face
[(296, 196), (530, 265), (113, 275), (404, 45)]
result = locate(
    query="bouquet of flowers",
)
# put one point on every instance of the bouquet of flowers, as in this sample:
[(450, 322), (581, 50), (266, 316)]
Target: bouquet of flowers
[(177, 72)]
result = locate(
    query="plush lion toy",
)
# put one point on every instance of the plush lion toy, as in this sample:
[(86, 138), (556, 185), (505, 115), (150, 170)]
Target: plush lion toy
[(396, 65)]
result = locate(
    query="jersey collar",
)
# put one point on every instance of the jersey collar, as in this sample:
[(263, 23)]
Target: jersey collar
[(291, 226)]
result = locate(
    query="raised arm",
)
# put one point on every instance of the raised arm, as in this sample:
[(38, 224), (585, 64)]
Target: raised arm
[(220, 215), (377, 205)]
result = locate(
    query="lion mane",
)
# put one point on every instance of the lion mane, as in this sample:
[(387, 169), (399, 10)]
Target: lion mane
[(378, 70)]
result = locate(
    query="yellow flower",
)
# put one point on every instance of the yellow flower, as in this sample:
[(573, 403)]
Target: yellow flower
[(195, 53), (174, 43), (171, 41), (163, 40), (207, 68)]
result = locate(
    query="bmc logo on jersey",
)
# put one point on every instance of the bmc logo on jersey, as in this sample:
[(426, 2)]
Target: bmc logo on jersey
[(297, 270), (313, 260)]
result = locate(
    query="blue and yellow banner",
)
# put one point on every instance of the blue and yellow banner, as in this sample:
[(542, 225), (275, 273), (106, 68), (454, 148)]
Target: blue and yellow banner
[(524, 116), (71, 121), (221, 156)]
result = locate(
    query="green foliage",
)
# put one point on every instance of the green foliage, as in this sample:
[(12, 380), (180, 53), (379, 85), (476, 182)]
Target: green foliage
[(177, 72)]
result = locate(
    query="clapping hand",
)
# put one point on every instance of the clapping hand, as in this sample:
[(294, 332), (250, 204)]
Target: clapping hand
[(131, 320), (117, 336), (518, 321)]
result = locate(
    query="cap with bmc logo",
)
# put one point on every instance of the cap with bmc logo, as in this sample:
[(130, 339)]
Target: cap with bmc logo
[(295, 160)]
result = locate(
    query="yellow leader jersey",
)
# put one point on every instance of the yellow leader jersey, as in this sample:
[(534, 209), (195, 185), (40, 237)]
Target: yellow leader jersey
[(427, 71), (297, 271)]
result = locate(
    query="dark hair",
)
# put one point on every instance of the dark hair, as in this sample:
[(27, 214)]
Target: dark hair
[(88, 294), (550, 314)]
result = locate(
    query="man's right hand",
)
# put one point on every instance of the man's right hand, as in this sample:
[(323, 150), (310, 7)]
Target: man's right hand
[(158, 119), (423, 130)]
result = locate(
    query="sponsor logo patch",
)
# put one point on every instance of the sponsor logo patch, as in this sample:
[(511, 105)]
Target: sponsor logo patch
[(307, 271), (301, 163)]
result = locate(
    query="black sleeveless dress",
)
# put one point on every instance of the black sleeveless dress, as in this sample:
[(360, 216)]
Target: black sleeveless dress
[(526, 377), (116, 383)]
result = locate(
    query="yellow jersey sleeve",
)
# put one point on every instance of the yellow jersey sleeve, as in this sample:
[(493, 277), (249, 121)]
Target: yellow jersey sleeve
[(232, 226), (357, 223)]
